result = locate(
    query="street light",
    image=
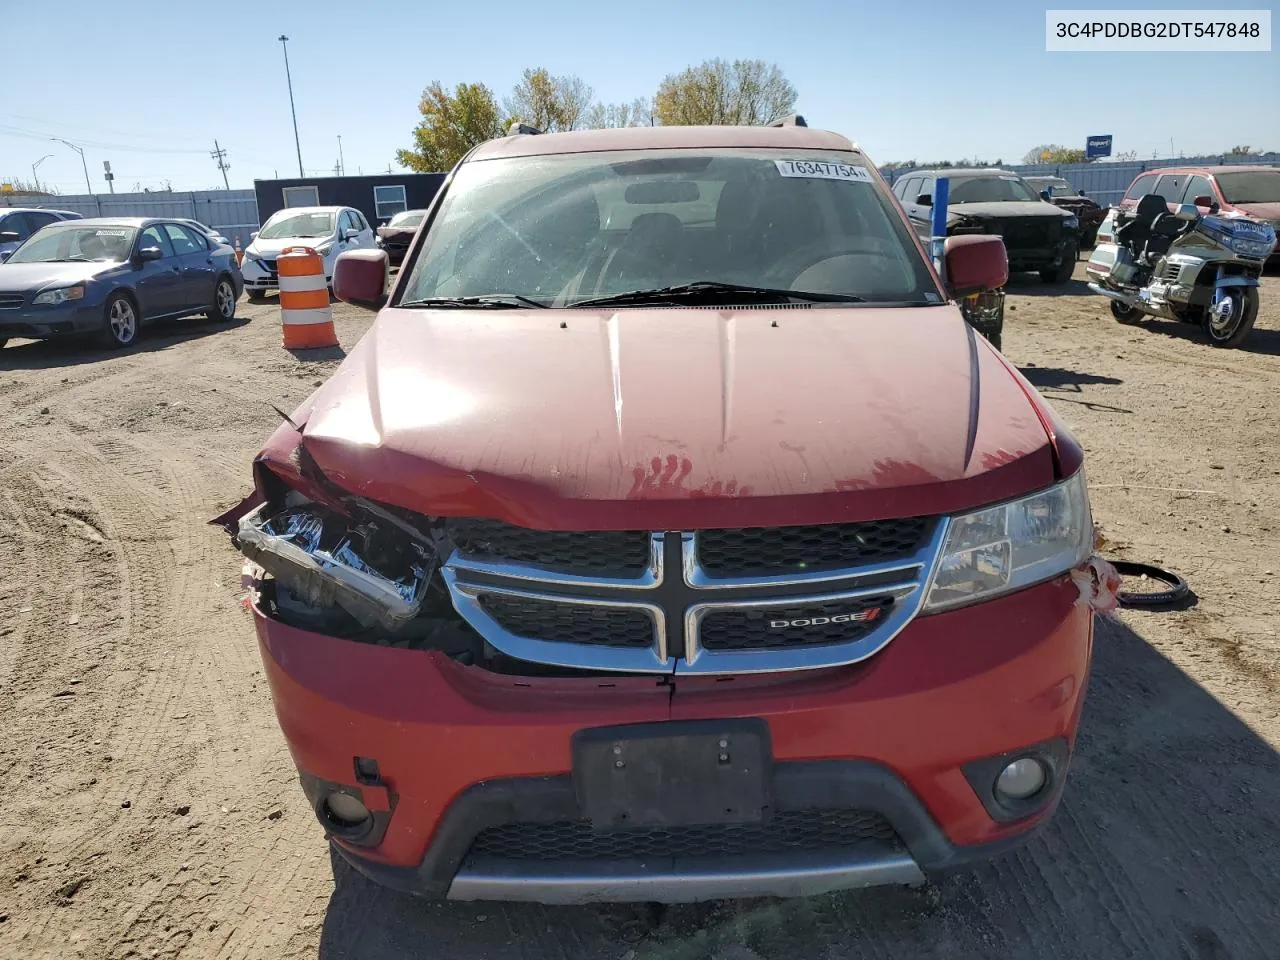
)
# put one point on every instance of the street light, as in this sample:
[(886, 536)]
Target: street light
[(82, 163), (284, 44), (35, 176)]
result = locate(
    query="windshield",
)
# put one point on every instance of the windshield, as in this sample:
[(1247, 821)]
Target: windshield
[(564, 229), (288, 225), (990, 190), (55, 243), (1253, 186), (409, 218)]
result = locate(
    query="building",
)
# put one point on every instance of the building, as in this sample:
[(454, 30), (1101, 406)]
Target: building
[(378, 198)]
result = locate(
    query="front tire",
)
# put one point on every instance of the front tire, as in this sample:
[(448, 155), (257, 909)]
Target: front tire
[(1062, 272), (1231, 331), (120, 321), (1125, 313), (223, 309)]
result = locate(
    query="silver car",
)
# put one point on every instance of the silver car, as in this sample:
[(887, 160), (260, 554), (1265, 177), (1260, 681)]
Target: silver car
[(18, 223)]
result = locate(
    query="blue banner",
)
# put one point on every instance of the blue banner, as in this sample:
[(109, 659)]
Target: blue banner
[(1095, 147)]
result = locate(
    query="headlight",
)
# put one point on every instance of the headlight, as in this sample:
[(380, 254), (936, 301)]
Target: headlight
[(1017, 544), (61, 295), (1071, 223), (325, 249)]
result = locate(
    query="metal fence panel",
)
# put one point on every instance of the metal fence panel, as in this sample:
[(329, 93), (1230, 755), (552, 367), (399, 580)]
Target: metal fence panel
[(233, 213)]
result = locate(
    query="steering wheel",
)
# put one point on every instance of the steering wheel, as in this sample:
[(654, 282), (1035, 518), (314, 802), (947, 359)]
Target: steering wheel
[(798, 261)]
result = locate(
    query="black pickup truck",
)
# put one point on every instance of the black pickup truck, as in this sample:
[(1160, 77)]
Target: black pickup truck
[(1039, 237)]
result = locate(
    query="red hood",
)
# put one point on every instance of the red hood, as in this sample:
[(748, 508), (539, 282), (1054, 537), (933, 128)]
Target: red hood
[(1263, 211), (710, 417)]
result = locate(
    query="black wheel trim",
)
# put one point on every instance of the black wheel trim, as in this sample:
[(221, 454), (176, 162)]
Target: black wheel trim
[(1178, 587)]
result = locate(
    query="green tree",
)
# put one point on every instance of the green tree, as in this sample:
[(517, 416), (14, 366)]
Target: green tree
[(1241, 151), (451, 124), (1054, 153), (749, 92), (550, 103)]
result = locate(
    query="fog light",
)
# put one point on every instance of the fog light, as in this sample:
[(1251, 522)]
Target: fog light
[(1021, 779), (345, 811)]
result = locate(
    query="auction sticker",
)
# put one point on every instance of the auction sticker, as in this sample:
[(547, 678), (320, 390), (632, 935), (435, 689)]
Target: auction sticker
[(823, 170)]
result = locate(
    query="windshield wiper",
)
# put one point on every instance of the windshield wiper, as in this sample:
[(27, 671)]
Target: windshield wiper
[(711, 290), (493, 301)]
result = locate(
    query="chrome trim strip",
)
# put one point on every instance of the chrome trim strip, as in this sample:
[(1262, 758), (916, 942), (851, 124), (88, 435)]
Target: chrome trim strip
[(683, 881), (466, 600), (650, 579), (696, 577)]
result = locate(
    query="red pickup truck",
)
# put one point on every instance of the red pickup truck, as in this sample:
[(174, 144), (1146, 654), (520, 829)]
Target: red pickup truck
[(670, 536)]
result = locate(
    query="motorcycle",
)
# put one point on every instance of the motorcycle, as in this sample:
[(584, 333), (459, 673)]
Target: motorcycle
[(1188, 266)]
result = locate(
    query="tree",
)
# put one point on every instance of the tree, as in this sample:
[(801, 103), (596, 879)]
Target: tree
[(637, 113), (452, 123), (1241, 151), (1054, 153), (750, 92), (550, 103)]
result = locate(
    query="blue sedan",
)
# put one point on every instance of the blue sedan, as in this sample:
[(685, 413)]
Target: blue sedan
[(111, 276)]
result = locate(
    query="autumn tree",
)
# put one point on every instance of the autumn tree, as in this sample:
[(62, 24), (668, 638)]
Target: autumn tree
[(750, 92), (637, 113), (1054, 153), (452, 123), (550, 103)]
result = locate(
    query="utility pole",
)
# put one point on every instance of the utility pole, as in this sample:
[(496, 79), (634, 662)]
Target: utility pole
[(87, 183), (220, 155), (34, 175), (342, 164), (284, 44), (109, 176)]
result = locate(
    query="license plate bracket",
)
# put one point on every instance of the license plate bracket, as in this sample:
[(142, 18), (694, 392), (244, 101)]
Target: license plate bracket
[(674, 774)]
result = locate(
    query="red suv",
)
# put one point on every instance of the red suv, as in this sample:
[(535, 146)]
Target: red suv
[(671, 536), (1252, 191)]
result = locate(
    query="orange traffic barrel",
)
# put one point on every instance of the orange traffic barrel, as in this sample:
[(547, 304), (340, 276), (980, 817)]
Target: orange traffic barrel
[(306, 317)]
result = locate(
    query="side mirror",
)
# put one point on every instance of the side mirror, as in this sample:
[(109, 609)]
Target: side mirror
[(1203, 200), (8, 236), (1187, 211), (1082, 194), (1046, 194), (150, 253), (350, 234), (253, 236), (4, 255), (360, 278), (925, 200), (975, 263)]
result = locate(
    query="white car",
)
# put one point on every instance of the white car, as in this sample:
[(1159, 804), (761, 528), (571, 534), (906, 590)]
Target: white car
[(328, 230)]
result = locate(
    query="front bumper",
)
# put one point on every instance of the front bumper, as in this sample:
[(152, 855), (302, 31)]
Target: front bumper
[(45, 321), (258, 277), (459, 750)]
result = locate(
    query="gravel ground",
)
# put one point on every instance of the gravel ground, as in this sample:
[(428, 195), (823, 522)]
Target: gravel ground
[(148, 806)]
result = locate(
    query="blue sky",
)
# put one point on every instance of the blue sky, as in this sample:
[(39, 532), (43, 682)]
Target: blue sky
[(149, 88)]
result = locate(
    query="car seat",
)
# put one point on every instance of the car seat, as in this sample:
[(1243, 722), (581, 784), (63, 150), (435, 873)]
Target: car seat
[(648, 254)]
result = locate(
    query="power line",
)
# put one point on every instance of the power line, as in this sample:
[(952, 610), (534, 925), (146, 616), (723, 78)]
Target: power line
[(220, 156)]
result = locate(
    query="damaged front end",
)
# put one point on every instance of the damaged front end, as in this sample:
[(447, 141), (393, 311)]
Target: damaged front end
[(366, 566)]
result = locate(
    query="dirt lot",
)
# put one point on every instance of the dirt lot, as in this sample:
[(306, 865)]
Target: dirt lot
[(148, 806)]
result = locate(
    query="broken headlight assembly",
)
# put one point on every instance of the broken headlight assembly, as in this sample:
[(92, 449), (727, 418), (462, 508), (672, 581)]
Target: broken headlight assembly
[(1018, 544), (367, 565)]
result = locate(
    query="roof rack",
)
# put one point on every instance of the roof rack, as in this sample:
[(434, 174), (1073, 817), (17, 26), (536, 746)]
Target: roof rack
[(795, 120), (517, 129)]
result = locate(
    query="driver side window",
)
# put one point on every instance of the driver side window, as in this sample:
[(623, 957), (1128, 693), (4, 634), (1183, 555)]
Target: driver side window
[(154, 237)]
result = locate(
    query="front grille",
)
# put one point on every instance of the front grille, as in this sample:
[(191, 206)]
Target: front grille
[(785, 832), (808, 549), (10, 301), (604, 554), (568, 622), (753, 629), (1037, 232)]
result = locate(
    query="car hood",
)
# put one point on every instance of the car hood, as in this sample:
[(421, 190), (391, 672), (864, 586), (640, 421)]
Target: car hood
[(1263, 211), (20, 277), (272, 248), (1006, 208), (397, 232), (568, 419)]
